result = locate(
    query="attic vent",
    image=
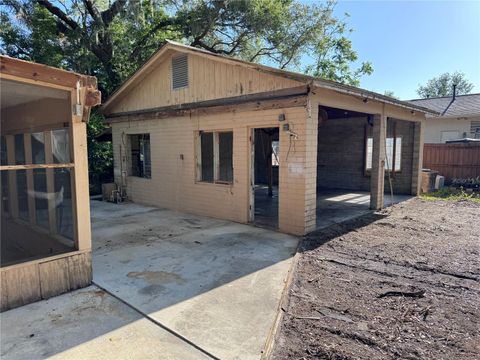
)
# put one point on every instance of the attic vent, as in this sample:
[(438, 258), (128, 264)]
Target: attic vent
[(180, 72)]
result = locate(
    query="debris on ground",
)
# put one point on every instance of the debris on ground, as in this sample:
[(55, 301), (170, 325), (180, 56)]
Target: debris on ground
[(403, 283)]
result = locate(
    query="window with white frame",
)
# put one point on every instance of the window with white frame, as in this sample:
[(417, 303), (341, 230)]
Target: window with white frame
[(393, 145), (215, 157)]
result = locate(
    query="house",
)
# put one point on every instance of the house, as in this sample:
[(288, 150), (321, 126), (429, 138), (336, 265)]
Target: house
[(459, 118), (216, 136), (45, 229)]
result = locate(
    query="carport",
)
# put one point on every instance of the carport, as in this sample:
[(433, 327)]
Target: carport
[(345, 164)]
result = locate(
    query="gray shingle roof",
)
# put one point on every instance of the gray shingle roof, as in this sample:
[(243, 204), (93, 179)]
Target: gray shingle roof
[(464, 105)]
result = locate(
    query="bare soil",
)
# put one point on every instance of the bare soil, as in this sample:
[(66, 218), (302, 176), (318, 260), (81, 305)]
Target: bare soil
[(403, 284)]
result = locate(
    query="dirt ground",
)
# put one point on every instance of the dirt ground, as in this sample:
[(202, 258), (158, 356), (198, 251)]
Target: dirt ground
[(404, 284)]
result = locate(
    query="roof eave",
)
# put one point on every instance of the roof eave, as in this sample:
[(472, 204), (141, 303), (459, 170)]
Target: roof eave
[(457, 117), (366, 94)]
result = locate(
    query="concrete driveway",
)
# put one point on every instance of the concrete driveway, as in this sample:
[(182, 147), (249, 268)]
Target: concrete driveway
[(169, 285)]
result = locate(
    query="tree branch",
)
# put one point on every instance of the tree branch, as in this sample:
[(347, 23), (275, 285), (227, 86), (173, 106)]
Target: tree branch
[(93, 11), (110, 13), (141, 43), (58, 13)]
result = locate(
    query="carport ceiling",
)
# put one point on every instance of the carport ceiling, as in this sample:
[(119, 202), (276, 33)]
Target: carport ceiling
[(334, 113)]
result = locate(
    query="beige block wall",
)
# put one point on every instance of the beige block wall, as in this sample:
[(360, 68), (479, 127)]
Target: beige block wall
[(173, 182)]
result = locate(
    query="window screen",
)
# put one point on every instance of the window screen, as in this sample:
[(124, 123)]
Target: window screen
[(41, 197), (225, 156), (38, 148), (207, 156), (60, 146), (180, 72), (216, 157), (140, 156)]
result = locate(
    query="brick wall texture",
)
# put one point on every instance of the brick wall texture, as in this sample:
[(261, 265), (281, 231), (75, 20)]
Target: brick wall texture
[(341, 155)]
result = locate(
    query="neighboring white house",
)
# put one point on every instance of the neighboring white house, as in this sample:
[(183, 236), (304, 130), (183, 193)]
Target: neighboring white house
[(459, 118)]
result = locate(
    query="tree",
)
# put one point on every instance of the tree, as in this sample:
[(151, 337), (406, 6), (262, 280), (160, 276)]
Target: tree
[(442, 85), (390, 93), (100, 153), (111, 39)]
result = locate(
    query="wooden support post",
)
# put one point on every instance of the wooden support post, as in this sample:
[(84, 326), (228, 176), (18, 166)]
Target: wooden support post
[(198, 157), (417, 163), (80, 181), (27, 140), (251, 202), (52, 223), (216, 156), (12, 177), (269, 166), (377, 180)]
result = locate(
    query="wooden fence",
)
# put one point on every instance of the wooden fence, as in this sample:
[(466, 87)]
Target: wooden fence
[(453, 160)]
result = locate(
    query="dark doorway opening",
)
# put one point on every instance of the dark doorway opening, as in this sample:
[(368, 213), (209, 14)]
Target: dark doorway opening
[(265, 177)]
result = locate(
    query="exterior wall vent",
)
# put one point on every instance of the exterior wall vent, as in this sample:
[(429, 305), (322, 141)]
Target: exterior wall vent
[(180, 72)]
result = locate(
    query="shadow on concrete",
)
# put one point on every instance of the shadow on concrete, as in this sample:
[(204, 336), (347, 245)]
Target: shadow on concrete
[(213, 282)]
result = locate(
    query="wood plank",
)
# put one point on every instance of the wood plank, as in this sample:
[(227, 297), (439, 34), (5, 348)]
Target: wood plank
[(294, 101), (3, 292), (52, 214), (216, 156), (54, 278), (27, 140), (43, 73), (36, 166), (36, 128), (22, 285), (453, 160), (235, 100), (80, 187), (80, 270), (12, 177)]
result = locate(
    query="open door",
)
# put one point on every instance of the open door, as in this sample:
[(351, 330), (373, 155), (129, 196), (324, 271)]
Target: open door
[(264, 178)]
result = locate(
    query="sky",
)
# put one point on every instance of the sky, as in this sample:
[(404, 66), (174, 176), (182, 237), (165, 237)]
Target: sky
[(409, 42)]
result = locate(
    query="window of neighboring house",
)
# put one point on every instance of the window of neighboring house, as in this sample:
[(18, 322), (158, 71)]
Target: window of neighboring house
[(140, 152), (179, 72), (389, 150), (475, 129), (449, 135), (215, 157)]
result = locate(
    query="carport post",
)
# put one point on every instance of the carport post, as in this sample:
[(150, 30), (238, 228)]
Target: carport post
[(377, 180), (417, 162)]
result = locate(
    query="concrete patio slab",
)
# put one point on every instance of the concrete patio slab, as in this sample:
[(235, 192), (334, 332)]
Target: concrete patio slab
[(170, 286), (87, 324), (214, 282), (336, 206)]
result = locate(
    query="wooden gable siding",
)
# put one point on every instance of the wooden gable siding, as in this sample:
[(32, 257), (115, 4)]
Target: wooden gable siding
[(208, 79)]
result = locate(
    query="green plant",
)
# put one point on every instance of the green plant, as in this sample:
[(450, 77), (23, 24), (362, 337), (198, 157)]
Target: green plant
[(472, 183), (452, 194)]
